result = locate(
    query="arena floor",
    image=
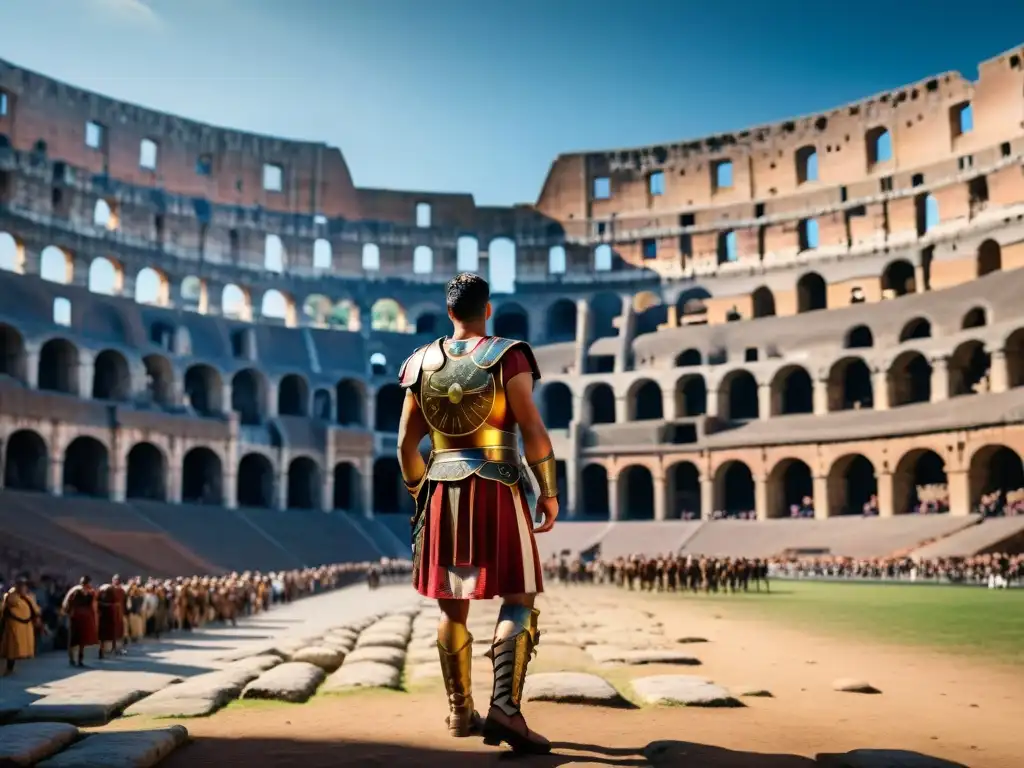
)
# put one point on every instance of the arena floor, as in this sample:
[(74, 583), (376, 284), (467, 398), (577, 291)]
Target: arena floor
[(966, 708)]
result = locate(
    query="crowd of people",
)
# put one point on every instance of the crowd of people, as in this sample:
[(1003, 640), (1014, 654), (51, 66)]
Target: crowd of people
[(120, 612), (696, 573)]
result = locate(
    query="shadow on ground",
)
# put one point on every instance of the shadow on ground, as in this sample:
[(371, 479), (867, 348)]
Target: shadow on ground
[(660, 754)]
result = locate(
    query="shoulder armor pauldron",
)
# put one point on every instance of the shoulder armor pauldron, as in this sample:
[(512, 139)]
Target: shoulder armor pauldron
[(493, 348), (427, 358)]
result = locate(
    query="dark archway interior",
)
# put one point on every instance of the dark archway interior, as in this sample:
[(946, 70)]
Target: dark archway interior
[(322, 405), (918, 328), (147, 473), (742, 397), (346, 487), (860, 485), (919, 469), (737, 490), (594, 479), (293, 396), (899, 278), (811, 293), (996, 470), (557, 405), (602, 404), (159, 379), (975, 318), (797, 485), (12, 354), (911, 380), (797, 393), (27, 463), (202, 388), (389, 495), (86, 468), (860, 337), (857, 387), (688, 357), (649, 320), (968, 366), (110, 378), (202, 478), (304, 485), (605, 308), (389, 408), (990, 258), (256, 482), (763, 302), (647, 404), (561, 321), (58, 367), (512, 322), (684, 482), (246, 397), (693, 397), (349, 397), (636, 489)]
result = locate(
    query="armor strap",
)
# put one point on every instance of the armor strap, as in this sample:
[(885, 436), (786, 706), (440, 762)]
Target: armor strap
[(546, 473), (515, 641)]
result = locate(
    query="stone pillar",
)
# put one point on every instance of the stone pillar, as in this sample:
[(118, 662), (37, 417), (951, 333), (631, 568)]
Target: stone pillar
[(820, 397), (998, 372), (282, 483), (660, 497), (822, 503), (117, 474), (86, 373), (371, 408), (712, 403), (57, 475), (959, 492), (668, 405), (32, 367), (173, 479), (613, 497), (940, 379), (621, 410), (761, 496), (580, 412), (572, 487), (880, 390), (627, 327), (327, 491), (919, 281), (271, 405), (229, 488), (226, 398), (707, 498), (886, 491), (764, 402), (583, 333), (367, 491)]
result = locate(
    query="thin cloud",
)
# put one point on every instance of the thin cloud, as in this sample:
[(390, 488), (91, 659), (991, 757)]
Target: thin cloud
[(136, 11)]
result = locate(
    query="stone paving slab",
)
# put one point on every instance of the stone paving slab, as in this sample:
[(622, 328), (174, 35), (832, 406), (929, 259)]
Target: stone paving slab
[(423, 672), (293, 681), (634, 657), (328, 659), (394, 657), (196, 697), (572, 688), (126, 749), (28, 743), (682, 689), (364, 674), (93, 698), (384, 639)]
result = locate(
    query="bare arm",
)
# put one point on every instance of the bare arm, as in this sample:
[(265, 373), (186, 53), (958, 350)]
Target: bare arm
[(411, 431), (519, 391)]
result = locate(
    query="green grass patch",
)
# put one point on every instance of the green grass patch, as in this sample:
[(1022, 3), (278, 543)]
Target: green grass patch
[(966, 620), (257, 704)]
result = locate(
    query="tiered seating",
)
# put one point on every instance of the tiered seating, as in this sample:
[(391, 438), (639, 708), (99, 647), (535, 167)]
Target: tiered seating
[(573, 537), (988, 536), (389, 532), (624, 539), (313, 537)]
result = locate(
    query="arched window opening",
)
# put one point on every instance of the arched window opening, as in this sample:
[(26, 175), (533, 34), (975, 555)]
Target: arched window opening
[(248, 390), (347, 483), (636, 493), (55, 265), (734, 490), (691, 397), (601, 400), (202, 478), (350, 398), (511, 321), (58, 367), (467, 256), (556, 260), (293, 396), (989, 258), (645, 401), (422, 260), (371, 257), (323, 254), (147, 473), (558, 411), (806, 165), (273, 254), (378, 364), (910, 379), (812, 293), (501, 258), (304, 484), (86, 468), (859, 337), (741, 400), (256, 482), (389, 408), (763, 303), (595, 492), (26, 462), (898, 279), (111, 379), (203, 390)]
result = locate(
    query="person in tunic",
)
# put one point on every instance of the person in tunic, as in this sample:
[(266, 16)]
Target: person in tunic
[(111, 601), (80, 608), (473, 535), (19, 620)]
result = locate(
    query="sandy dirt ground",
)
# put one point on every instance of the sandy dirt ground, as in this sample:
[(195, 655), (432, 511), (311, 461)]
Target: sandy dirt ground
[(951, 707)]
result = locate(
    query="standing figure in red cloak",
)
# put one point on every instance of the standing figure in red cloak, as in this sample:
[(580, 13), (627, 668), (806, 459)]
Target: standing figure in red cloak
[(111, 600), (80, 608), (473, 535)]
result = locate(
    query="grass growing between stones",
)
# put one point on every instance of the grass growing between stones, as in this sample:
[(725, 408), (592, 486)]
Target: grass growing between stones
[(965, 620), (249, 705)]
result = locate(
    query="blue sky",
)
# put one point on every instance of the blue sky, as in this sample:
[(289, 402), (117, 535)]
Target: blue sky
[(480, 96)]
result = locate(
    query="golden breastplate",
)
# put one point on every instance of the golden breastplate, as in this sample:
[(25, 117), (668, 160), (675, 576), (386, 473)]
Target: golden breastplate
[(458, 399)]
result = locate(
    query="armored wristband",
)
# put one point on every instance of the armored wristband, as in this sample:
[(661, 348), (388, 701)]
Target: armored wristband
[(415, 488), (547, 477)]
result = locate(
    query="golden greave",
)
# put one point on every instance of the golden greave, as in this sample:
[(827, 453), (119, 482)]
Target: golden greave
[(515, 640), (455, 649)]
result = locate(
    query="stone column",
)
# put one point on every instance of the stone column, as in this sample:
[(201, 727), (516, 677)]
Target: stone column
[(919, 281), (764, 402), (707, 498), (583, 334), (712, 403), (57, 475), (886, 491), (668, 405), (367, 490), (959, 493), (822, 503), (572, 487), (117, 474), (225, 396), (32, 367), (229, 488), (998, 371), (621, 410), (627, 327), (371, 408), (86, 373), (761, 496), (880, 390), (613, 498), (820, 397), (282, 480), (940, 379), (580, 412), (660, 500), (271, 405)]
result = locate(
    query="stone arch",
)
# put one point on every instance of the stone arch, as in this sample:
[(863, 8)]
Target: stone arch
[(636, 493), (501, 260), (433, 324), (235, 303), (976, 317), (317, 309), (605, 309), (202, 477), (690, 306), (389, 408), (916, 328), (849, 385), (204, 390), (561, 321), (256, 482), (852, 484), (152, 287), (350, 396), (511, 321), (556, 260), (684, 499), (58, 367), (989, 258), (146, 476), (811, 293), (276, 305), (293, 395), (322, 406), (345, 316), (56, 265), (305, 484), (910, 379), (644, 401), (1014, 352), (859, 337), (249, 396), (649, 312), (600, 399), (738, 398), (994, 470), (193, 294), (969, 369), (159, 379), (467, 254), (86, 468), (558, 411), (389, 495), (26, 462), (792, 391), (111, 378), (898, 279), (371, 257), (12, 254), (691, 396), (273, 254), (323, 254), (387, 315), (917, 468), (378, 364), (734, 489), (689, 358), (422, 260), (13, 360), (594, 483), (347, 484), (790, 484), (763, 302), (105, 277)]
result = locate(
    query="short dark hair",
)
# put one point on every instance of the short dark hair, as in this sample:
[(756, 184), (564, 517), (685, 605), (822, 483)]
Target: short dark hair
[(467, 296)]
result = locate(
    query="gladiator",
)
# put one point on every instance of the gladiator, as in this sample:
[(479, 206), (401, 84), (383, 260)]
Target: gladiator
[(472, 531)]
